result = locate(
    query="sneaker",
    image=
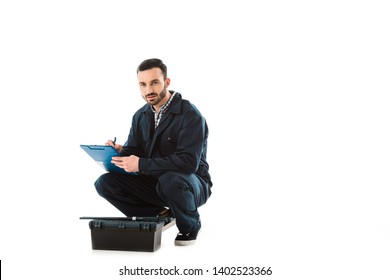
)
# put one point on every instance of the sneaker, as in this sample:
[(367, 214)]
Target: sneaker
[(165, 212), (187, 238)]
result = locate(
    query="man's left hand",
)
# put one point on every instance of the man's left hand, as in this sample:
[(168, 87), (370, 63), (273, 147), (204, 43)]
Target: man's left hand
[(129, 164)]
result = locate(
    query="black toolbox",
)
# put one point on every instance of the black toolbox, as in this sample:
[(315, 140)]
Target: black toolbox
[(128, 234)]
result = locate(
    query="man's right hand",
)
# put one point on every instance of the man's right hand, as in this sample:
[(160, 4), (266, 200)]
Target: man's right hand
[(116, 146)]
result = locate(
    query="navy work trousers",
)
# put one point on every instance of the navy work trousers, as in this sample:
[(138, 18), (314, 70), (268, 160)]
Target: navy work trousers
[(144, 195)]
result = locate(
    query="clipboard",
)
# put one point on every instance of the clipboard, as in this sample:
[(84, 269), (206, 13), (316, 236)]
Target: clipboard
[(102, 155)]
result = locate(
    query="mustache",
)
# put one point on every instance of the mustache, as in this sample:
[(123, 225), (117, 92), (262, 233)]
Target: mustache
[(151, 94)]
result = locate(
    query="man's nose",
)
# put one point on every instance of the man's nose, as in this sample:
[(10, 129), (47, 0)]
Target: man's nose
[(149, 89)]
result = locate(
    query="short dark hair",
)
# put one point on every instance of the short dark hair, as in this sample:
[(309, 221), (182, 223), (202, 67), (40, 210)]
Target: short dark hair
[(153, 63)]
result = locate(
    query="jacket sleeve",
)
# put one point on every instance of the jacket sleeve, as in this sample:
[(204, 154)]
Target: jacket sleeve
[(185, 159)]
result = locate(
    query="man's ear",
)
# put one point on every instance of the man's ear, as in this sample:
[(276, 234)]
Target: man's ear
[(167, 81)]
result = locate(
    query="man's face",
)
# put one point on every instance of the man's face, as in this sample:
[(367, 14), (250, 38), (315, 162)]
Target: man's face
[(153, 86)]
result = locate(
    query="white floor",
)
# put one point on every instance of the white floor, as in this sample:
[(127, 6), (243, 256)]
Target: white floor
[(312, 243)]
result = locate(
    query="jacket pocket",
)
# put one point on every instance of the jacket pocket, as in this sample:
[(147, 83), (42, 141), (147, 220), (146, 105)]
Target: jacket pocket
[(168, 145)]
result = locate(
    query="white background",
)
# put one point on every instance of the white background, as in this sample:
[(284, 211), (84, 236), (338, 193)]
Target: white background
[(296, 97)]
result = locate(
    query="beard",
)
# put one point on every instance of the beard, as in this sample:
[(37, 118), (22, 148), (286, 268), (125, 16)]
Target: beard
[(158, 96)]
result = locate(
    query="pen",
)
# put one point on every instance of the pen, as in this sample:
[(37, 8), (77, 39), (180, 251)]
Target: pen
[(114, 141)]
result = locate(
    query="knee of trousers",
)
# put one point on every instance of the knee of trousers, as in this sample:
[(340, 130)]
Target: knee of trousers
[(101, 185), (171, 182)]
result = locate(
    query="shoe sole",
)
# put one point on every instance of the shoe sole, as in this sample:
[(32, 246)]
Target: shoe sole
[(184, 242)]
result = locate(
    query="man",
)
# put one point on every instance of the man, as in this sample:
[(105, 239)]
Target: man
[(167, 147)]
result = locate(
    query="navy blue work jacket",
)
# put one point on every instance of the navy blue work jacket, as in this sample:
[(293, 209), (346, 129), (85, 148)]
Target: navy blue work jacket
[(179, 143)]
